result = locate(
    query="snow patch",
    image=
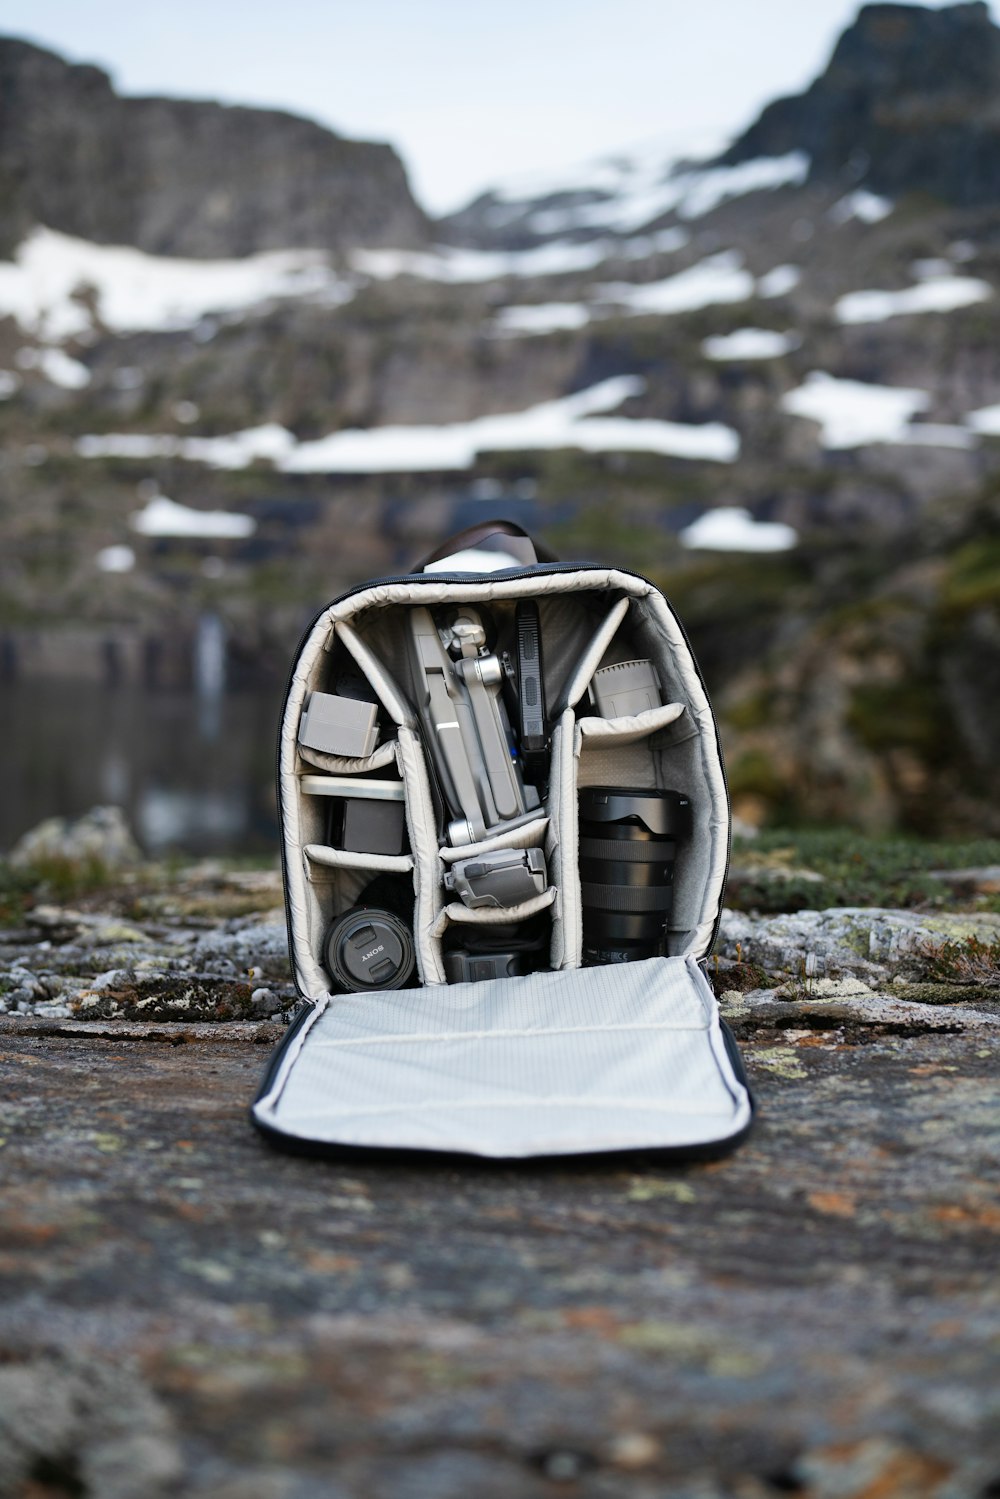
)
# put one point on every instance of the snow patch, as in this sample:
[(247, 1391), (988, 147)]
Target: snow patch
[(985, 421), (750, 343), (611, 175), (163, 517), (710, 440), (935, 294), (779, 281), (237, 450), (863, 205), (446, 263), (571, 422), (706, 190), (731, 528), (720, 279), (53, 277), (543, 317), (116, 559), (852, 414), (626, 203), (56, 366), (641, 246), (452, 265)]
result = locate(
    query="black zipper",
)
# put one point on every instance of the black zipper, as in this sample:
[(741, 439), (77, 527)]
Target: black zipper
[(296, 1023), (510, 575)]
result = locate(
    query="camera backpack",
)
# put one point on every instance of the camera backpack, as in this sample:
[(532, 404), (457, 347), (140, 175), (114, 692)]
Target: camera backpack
[(455, 937)]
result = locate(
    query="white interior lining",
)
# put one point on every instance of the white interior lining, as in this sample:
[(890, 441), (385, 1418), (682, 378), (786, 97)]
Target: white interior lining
[(624, 1057)]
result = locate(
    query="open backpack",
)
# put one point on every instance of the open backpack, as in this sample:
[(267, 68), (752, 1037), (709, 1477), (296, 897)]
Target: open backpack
[(505, 836)]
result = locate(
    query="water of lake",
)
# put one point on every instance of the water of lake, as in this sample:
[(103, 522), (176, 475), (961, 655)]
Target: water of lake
[(194, 772)]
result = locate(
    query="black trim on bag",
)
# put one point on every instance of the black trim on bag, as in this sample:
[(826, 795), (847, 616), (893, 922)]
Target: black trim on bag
[(274, 1061), (680, 1155)]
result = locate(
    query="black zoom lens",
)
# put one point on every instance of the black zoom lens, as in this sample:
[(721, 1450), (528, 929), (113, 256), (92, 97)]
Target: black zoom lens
[(371, 945), (628, 844)]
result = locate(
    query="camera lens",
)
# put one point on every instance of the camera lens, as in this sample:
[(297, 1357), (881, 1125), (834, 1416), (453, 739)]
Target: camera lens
[(371, 945), (628, 844)]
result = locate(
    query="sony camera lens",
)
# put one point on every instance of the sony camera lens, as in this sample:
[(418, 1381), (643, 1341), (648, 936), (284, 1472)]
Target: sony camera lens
[(628, 844), (371, 945)]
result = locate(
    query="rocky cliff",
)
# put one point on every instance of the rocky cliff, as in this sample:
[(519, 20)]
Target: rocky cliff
[(910, 102), (180, 177)]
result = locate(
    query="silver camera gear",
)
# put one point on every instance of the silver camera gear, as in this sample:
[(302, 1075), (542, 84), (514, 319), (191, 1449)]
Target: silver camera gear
[(506, 877), (457, 682)]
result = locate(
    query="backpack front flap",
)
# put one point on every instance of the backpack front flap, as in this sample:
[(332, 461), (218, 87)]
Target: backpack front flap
[(568, 1059)]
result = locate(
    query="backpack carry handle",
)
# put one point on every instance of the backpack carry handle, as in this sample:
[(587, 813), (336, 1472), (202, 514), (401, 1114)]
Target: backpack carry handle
[(506, 535)]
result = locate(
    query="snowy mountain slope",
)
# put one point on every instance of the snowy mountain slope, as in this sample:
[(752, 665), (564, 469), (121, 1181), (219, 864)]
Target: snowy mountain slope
[(776, 389)]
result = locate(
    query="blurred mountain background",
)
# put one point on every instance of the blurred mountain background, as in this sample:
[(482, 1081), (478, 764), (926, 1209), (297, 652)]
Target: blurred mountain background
[(241, 369)]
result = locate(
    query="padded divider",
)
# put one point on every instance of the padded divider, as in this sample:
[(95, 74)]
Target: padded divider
[(568, 622), (629, 730), (562, 846), (531, 835), (334, 881), (621, 752), (422, 823), (378, 675), (591, 658), (342, 858), (340, 765), (494, 915)]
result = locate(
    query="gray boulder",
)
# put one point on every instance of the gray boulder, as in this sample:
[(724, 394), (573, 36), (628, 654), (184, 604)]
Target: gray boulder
[(100, 837)]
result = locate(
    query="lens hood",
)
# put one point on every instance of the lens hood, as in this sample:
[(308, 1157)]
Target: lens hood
[(628, 844), (663, 814)]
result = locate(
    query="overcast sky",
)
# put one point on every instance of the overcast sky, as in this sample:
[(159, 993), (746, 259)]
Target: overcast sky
[(469, 93)]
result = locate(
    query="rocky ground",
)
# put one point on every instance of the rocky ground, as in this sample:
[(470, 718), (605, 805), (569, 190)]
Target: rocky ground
[(186, 1311)]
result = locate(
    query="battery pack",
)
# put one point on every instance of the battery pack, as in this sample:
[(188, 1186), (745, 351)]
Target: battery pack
[(339, 725), (625, 689)]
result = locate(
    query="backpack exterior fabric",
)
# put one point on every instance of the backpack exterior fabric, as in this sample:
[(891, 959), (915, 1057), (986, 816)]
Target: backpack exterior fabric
[(566, 1059)]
